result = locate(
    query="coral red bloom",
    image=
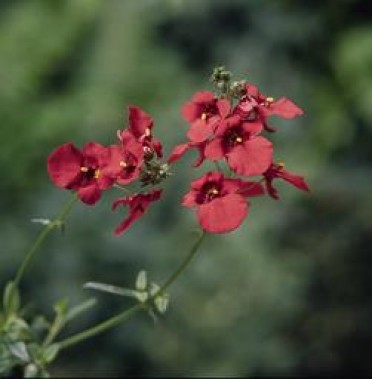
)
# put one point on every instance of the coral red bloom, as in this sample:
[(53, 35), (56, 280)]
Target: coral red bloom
[(140, 126), (123, 162), (181, 149), (138, 205), (238, 141), (254, 105), (204, 112), (70, 168), (220, 202), (276, 170)]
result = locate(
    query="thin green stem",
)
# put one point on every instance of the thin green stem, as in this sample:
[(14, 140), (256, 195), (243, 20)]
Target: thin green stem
[(58, 221), (121, 317)]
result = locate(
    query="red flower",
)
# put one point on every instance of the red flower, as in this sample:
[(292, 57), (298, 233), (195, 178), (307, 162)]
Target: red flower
[(138, 205), (123, 162), (181, 149), (237, 141), (276, 170), (220, 202), (254, 105), (140, 126), (70, 168), (204, 112)]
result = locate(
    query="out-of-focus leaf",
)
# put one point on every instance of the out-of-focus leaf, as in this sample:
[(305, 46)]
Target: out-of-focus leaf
[(50, 353), (80, 308), (11, 299), (110, 289), (141, 281), (19, 350)]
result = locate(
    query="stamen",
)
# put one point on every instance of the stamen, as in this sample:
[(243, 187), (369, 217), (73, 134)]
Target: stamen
[(203, 116), (84, 169), (97, 173), (239, 139), (147, 132), (214, 191), (123, 164), (281, 164), (270, 99)]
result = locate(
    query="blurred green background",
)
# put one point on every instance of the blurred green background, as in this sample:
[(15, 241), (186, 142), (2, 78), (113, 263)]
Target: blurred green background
[(289, 293)]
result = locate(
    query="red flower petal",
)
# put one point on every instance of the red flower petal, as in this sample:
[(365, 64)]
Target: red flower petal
[(93, 150), (214, 150), (251, 158), (296, 180), (201, 157), (178, 151), (190, 111), (223, 106), (64, 165), (250, 189), (139, 121), (253, 128), (158, 148), (253, 91), (223, 214), (138, 204), (89, 194), (203, 97), (200, 130), (283, 107)]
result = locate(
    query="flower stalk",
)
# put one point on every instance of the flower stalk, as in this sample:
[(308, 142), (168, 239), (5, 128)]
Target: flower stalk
[(57, 222), (126, 315)]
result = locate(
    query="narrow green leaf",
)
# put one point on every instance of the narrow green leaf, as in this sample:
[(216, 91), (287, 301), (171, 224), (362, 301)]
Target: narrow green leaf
[(19, 350), (110, 289), (61, 307), (11, 299), (50, 353), (141, 281), (80, 308)]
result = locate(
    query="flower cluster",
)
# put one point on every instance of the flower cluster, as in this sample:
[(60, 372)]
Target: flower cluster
[(229, 127), (94, 168), (225, 127)]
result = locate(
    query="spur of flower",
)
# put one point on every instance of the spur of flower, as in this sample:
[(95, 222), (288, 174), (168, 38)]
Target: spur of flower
[(277, 171), (138, 205)]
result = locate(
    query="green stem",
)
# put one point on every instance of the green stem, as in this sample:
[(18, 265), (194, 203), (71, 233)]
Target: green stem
[(58, 221), (118, 319)]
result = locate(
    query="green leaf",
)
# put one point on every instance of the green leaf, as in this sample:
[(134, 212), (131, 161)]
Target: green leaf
[(11, 299), (141, 281), (110, 289), (50, 353), (18, 329), (80, 308), (19, 350), (161, 303), (61, 307)]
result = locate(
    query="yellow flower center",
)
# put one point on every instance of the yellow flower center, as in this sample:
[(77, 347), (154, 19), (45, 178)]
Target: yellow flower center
[(97, 173)]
